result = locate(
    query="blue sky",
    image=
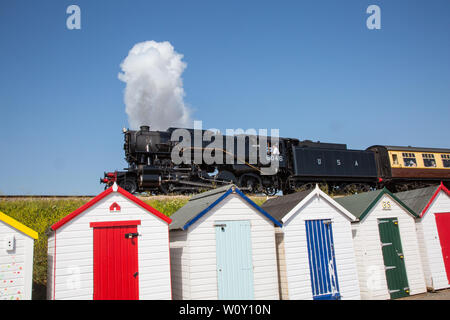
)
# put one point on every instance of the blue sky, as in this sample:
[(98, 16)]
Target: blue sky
[(310, 68)]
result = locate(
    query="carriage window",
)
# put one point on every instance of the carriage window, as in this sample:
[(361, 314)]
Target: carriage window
[(409, 159), (446, 160), (394, 159), (428, 160)]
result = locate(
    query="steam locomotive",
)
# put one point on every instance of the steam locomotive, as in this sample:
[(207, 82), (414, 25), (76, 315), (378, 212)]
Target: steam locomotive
[(301, 164)]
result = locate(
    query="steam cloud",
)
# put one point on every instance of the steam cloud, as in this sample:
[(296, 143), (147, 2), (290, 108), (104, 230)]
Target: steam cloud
[(154, 88)]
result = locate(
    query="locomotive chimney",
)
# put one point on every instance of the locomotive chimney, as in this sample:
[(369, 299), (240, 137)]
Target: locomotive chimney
[(145, 128)]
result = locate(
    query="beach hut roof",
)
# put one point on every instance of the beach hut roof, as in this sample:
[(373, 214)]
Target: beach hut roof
[(282, 208), (202, 203), (419, 200), (114, 188), (360, 204), (18, 226)]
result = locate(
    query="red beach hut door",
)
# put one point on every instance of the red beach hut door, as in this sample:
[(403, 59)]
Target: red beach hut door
[(116, 274), (443, 226)]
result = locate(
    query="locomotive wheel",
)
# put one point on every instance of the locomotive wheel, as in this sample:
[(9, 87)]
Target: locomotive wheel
[(251, 183), (129, 185), (356, 188), (166, 188), (407, 186), (226, 176), (288, 186), (270, 191), (365, 188), (305, 187)]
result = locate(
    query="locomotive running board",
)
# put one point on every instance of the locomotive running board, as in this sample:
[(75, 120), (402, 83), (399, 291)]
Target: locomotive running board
[(197, 184)]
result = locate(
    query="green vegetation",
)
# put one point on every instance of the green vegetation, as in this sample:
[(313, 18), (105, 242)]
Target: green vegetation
[(40, 214)]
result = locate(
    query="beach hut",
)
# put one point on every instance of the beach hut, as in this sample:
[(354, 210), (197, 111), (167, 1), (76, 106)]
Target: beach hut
[(315, 248), (115, 247), (16, 259), (223, 247), (386, 248), (433, 232)]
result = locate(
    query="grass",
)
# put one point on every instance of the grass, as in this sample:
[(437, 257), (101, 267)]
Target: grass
[(40, 214)]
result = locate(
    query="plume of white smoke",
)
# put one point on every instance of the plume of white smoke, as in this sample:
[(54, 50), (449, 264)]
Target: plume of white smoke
[(154, 88)]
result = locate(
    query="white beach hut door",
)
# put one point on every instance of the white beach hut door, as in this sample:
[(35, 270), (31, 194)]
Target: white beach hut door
[(322, 262), (234, 260)]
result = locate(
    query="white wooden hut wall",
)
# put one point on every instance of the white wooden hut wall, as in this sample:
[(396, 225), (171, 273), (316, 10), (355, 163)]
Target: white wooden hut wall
[(16, 262), (436, 276), (194, 253), (296, 251), (70, 252), (369, 256)]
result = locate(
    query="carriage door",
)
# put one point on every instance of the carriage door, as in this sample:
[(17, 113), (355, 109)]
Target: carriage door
[(322, 261), (116, 274), (394, 261), (234, 260), (443, 226)]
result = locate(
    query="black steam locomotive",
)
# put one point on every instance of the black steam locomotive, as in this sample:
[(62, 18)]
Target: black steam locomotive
[(301, 164)]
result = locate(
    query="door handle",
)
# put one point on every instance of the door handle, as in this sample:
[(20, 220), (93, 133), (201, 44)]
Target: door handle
[(135, 274), (131, 235)]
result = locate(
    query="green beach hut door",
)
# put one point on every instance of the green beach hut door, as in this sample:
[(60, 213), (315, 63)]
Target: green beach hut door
[(394, 261), (234, 260)]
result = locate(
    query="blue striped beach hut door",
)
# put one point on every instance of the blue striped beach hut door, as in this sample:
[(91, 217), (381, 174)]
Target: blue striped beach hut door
[(234, 260), (322, 262)]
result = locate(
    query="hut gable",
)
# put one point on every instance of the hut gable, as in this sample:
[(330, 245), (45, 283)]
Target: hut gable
[(114, 192), (360, 205), (420, 200), (432, 203), (285, 207), (203, 203), (7, 220), (72, 247), (376, 211), (308, 216), (197, 252)]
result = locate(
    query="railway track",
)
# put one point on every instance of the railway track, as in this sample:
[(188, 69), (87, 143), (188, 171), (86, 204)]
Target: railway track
[(43, 197)]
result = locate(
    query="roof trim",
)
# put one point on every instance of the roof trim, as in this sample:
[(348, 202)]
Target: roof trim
[(254, 205), (313, 193), (144, 205), (438, 190), (243, 196), (412, 149), (382, 193), (19, 226), (102, 195), (205, 211)]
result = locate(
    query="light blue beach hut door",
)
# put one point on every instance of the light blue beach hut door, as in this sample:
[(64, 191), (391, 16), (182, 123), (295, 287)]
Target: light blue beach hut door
[(322, 262), (234, 260)]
